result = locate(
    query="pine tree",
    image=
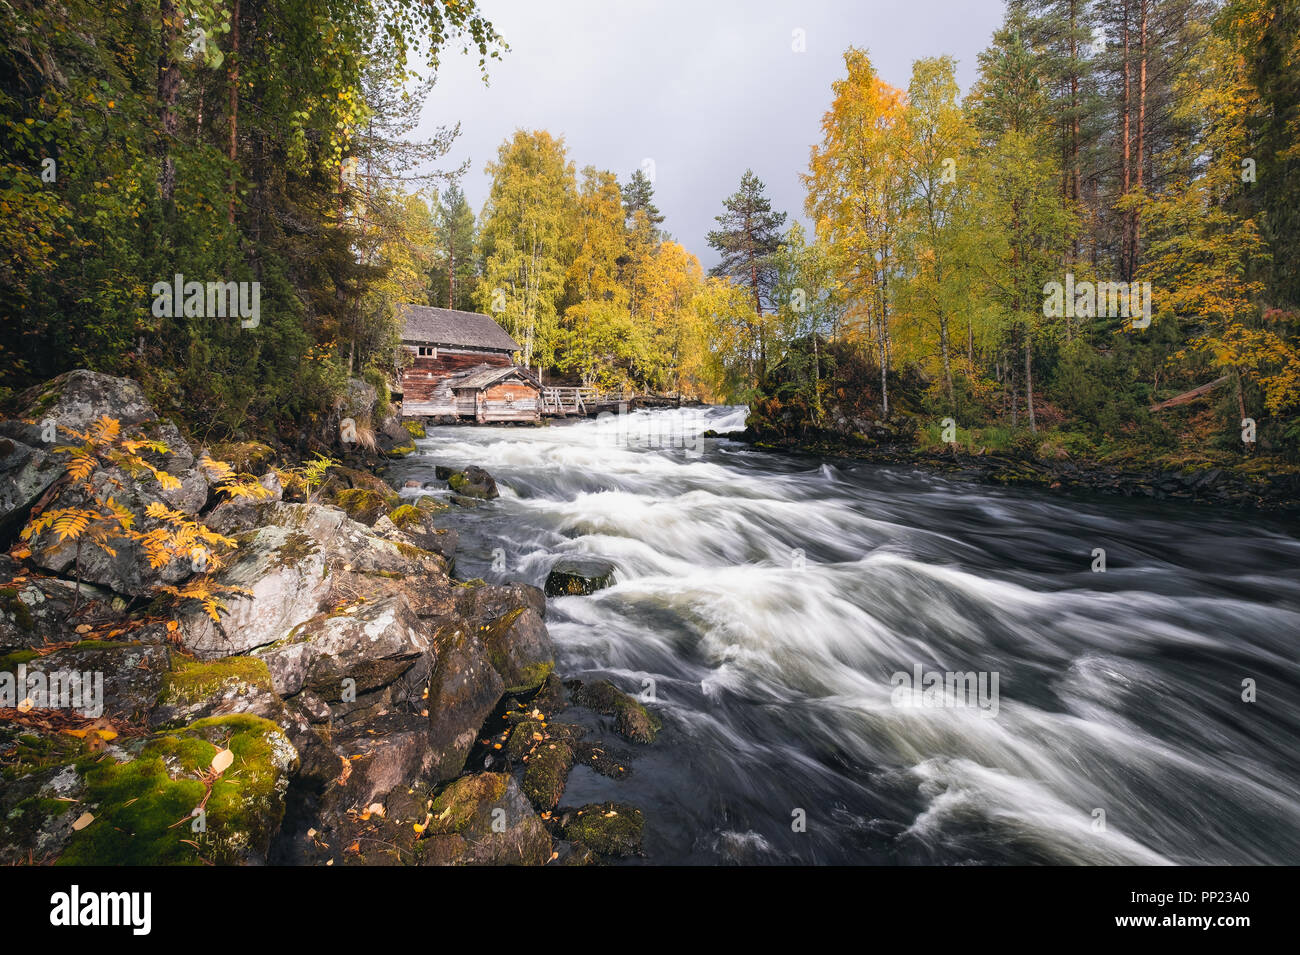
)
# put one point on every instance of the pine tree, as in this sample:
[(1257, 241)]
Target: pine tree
[(452, 281), (750, 235)]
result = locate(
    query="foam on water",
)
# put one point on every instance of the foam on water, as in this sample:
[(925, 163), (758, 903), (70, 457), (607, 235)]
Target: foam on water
[(770, 599)]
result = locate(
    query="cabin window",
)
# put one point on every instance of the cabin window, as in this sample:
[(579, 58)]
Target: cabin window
[(427, 351), (510, 399)]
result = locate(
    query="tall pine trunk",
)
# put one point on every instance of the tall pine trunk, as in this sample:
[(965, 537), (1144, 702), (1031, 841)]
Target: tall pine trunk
[(169, 85)]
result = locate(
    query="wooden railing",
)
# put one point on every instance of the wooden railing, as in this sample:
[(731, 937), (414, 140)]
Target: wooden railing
[(564, 400)]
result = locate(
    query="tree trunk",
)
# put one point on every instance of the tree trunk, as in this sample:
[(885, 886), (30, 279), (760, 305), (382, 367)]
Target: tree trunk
[(1135, 226), (169, 85), (1029, 385), (233, 76), (1126, 267)]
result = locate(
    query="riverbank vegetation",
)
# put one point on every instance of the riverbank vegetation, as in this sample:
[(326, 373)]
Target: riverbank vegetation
[(1142, 157)]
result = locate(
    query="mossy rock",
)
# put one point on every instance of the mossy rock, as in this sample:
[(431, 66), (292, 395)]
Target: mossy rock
[(401, 450), (195, 682), (363, 504), (407, 515), (631, 719), (13, 606), (520, 649), (548, 769), (465, 801), (414, 428), (578, 576), (429, 503), (136, 804), (610, 829), (473, 482)]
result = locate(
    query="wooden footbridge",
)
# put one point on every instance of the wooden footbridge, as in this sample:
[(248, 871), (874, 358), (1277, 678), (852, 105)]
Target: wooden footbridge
[(588, 401)]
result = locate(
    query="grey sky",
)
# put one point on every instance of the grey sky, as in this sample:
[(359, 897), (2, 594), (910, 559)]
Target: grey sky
[(704, 89)]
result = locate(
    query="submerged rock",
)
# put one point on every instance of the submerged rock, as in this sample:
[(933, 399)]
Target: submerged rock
[(484, 819), (610, 829), (577, 576), (631, 719), (473, 482)]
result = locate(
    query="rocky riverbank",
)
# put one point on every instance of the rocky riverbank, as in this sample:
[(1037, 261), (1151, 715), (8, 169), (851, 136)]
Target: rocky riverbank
[(325, 692), (1253, 485)]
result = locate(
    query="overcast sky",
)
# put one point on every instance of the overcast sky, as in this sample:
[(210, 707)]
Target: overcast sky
[(703, 89)]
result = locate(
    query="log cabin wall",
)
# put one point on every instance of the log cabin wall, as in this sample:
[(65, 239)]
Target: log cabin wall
[(511, 401), (421, 380)]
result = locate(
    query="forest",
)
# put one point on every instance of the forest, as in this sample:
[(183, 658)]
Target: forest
[(1137, 153)]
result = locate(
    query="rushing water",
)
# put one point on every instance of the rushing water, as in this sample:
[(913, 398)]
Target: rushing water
[(770, 599)]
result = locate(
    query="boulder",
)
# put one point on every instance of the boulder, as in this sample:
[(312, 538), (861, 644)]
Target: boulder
[(117, 681), (485, 601), (463, 690), (631, 719), (609, 829), (342, 657), (520, 649), (390, 751), (484, 819), (25, 474), (283, 569), (473, 482), (548, 769), (194, 689), (76, 399), (576, 576), (35, 610)]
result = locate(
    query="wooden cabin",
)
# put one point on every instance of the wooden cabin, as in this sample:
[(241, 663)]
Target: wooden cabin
[(462, 367)]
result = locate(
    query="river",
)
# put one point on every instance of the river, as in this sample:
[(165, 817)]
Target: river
[(776, 604)]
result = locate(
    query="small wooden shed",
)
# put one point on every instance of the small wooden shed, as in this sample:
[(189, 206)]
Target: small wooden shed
[(490, 393)]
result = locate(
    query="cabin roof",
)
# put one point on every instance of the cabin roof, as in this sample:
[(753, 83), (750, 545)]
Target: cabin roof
[(485, 375), (453, 328)]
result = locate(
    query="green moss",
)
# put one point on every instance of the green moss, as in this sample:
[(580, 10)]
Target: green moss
[(10, 661), (402, 450), (532, 676), (410, 551), (136, 804), (610, 829), (13, 605), (23, 753), (363, 504), (296, 548), (192, 681), (464, 800), (548, 768), (427, 502), (406, 516), (414, 428)]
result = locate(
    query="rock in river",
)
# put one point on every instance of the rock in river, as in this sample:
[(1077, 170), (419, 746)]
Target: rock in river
[(575, 576)]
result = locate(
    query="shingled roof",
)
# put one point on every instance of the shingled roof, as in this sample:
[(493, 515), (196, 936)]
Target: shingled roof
[(483, 375), (453, 329)]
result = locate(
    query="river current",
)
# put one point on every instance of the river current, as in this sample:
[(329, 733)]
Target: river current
[(790, 617)]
